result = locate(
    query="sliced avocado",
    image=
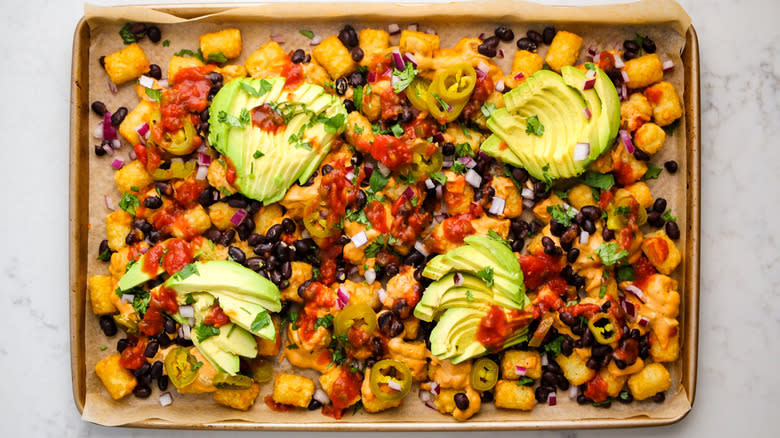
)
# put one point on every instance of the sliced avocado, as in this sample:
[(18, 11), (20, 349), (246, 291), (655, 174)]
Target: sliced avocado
[(446, 291), (229, 277), (136, 276), (236, 340), (495, 147), (218, 133), (599, 126), (243, 313), (220, 359), (268, 163)]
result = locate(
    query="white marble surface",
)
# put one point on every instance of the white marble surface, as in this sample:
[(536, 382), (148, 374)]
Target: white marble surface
[(740, 290)]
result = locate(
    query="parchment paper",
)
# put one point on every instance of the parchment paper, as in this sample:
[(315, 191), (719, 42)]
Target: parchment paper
[(603, 27)]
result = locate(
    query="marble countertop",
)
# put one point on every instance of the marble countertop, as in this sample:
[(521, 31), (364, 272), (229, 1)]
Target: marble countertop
[(738, 384)]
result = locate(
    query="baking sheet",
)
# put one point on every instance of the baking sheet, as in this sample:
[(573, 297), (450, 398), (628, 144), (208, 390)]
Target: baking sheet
[(668, 25)]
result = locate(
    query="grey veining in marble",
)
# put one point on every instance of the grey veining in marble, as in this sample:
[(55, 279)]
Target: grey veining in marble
[(738, 383)]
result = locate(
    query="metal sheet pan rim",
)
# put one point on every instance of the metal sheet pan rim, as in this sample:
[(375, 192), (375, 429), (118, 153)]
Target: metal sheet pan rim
[(77, 271)]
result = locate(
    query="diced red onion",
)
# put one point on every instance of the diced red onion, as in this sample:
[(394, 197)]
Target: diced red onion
[(412, 27), (643, 321), (439, 192), (518, 76), (637, 292), (127, 298), (420, 247), (587, 84), (143, 250), (429, 184), (204, 159), (109, 132), (186, 331), (112, 87), (359, 239), (584, 236), (109, 150), (132, 155), (202, 173), (398, 60), (98, 132), (588, 115), (370, 276), (408, 193), (467, 161), (447, 163), (439, 217), (483, 67), (142, 129), (238, 217), (618, 61), (393, 29), (430, 31), (473, 178), (552, 399), (435, 388), (372, 77), (573, 391), (342, 297), (425, 396), (481, 36), (592, 51), (527, 193), (349, 175), (668, 65), (382, 168), (393, 384), (316, 40), (500, 86), (629, 308), (382, 294), (497, 207), (146, 81), (321, 396), (186, 311), (457, 279), (166, 399), (116, 144), (481, 74), (408, 57), (597, 58), (109, 202), (520, 371), (528, 203), (430, 405), (191, 322), (624, 75), (117, 163), (500, 54), (163, 83), (545, 362), (581, 151), (277, 37), (624, 91), (626, 137)]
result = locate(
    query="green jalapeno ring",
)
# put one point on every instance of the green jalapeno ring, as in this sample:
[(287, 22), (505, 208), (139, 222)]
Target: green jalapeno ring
[(484, 374), (180, 366), (352, 314), (377, 376), (599, 332)]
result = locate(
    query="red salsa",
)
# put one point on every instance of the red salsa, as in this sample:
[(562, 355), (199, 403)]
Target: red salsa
[(267, 119)]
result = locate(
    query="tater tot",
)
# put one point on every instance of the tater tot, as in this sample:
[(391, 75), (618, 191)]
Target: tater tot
[(226, 42), (126, 64), (644, 71), (666, 103), (649, 138), (564, 50), (653, 378), (335, 57), (525, 62)]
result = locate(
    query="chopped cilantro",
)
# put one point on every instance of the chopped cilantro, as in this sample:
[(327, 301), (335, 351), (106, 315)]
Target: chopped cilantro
[(307, 33), (667, 216), (188, 52), (197, 366), (358, 129), (442, 103), (611, 253), (497, 237), (525, 380), (486, 274), (103, 347), (624, 273), (469, 296), (105, 255), (596, 193), (462, 128), (603, 181), (357, 97), (358, 406), (563, 194), (487, 109), (265, 87), (261, 321), (153, 94), (463, 149), (141, 301), (244, 118), (414, 201), (377, 181), (534, 126), (623, 210), (189, 300), (603, 288), (129, 203), (358, 216), (458, 167), (554, 346), (204, 332), (439, 177), (602, 403), (405, 77), (186, 271), (669, 129), (127, 36), (258, 154), (218, 57), (407, 178), (652, 172), (334, 124), (397, 130), (563, 217), (224, 117), (166, 43), (324, 321)]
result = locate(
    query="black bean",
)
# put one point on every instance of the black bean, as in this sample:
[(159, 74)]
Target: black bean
[(275, 277), (448, 149), (548, 34), (151, 349), (227, 237), (357, 54), (108, 325), (215, 78), (326, 169), (153, 202), (592, 212), (606, 306), (146, 368), (629, 55), (137, 29), (348, 36), (103, 247), (99, 108), (142, 391), (390, 271), (360, 200), (162, 383), (118, 116), (671, 166), (486, 50), (236, 254), (155, 71), (568, 237), (99, 151), (298, 56), (133, 237), (566, 347), (658, 398), (264, 248), (560, 380), (541, 393), (607, 234), (587, 338), (600, 351), (349, 105), (288, 225), (631, 46), (567, 318), (556, 228), (164, 188), (341, 86), (414, 259), (286, 270), (302, 247), (356, 79), (343, 240), (255, 263), (648, 45), (654, 218), (582, 400), (486, 397), (237, 202), (402, 309), (461, 401), (491, 41), (672, 230), (274, 233), (255, 239), (164, 340), (504, 33), (154, 34), (102, 61), (406, 116), (170, 326), (593, 363), (547, 242), (659, 205), (625, 397), (307, 59), (573, 255), (385, 322), (518, 244), (548, 378), (157, 369), (641, 155), (526, 44), (314, 404), (535, 36)]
